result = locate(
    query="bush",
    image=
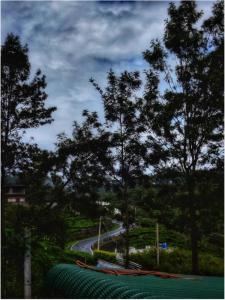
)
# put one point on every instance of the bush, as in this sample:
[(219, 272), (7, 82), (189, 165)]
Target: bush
[(143, 236), (211, 265), (179, 261), (70, 256), (105, 255), (214, 244)]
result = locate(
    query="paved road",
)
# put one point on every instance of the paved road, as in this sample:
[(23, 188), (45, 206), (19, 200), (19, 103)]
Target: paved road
[(85, 245)]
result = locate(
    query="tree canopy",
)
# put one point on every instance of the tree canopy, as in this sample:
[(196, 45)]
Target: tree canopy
[(23, 101), (185, 120)]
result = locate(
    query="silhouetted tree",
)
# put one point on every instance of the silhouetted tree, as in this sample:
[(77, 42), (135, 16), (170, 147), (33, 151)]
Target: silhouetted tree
[(22, 107), (23, 101), (121, 117), (184, 115), (81, 162)]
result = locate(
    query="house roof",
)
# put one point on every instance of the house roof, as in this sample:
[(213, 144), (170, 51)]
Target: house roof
[(73, 282)]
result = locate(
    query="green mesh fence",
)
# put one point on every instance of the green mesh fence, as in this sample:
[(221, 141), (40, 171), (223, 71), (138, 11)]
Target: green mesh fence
[(70, 281)]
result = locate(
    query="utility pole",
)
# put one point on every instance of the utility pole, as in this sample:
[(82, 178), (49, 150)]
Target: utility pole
[(157, 242), (99, 231), (27, 264), (135, 214)]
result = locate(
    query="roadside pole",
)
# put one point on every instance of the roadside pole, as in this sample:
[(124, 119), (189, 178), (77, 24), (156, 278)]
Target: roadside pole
[(116, 248), (157, 242), (27, 264), (99, 231)]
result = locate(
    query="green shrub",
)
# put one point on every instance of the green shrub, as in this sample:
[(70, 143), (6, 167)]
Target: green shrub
[(213, 244), (146, 222), (179, 261), (70, 256), (147, 259), (105, 255), (143, 236), (211, 265)]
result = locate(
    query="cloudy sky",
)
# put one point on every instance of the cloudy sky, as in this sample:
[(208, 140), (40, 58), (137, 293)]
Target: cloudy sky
[(71, 41)]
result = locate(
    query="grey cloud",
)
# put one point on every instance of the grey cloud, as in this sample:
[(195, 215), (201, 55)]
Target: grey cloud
[(71, 41)]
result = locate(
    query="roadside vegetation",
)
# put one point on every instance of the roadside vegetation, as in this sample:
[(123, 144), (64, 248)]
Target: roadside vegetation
[(51, 242), (178, 261)]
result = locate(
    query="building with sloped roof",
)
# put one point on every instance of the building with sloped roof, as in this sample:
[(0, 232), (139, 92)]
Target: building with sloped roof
[(14, 190)]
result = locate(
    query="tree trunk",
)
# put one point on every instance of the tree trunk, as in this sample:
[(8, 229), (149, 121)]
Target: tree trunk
[(27, 264), (157, 243), (193, 226), (127, 241), (3, 238), (3, 200), (194, 246), (3, 179), (3, 204)]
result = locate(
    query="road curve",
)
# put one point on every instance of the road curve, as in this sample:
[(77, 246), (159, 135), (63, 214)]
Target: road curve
[(86, 244)]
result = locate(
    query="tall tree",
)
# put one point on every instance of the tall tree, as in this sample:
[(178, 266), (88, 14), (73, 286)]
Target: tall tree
[(23, 100), (81, 162), (22, 106), (184, 114), (121, 117)]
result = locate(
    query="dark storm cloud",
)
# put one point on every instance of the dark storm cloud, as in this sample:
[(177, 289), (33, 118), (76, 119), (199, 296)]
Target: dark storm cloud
[(71, 41)]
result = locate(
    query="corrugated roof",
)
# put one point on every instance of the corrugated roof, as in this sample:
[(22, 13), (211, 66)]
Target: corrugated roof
[(70, 281)]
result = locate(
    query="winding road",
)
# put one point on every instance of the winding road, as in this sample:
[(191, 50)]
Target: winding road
[(86, 244)]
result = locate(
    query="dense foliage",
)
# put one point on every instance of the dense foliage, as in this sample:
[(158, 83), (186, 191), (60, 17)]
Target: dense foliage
[(22, 104), (126, 151), (51, 232), (185, 120), (179, 261)]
